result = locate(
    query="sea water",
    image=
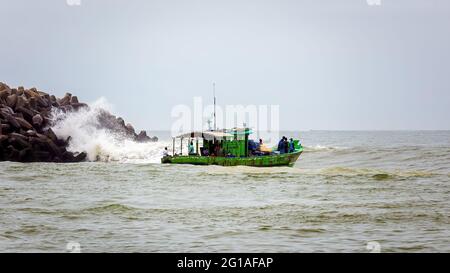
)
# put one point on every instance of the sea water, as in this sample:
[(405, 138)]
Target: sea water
[(385, 191)]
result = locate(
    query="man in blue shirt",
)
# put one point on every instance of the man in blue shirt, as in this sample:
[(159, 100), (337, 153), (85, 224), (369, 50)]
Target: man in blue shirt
[(281, 145), (291, 145)]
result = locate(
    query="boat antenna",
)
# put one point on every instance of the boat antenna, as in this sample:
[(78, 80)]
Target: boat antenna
[(214, 94)]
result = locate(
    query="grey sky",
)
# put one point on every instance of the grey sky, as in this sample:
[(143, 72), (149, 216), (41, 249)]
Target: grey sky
[(329, 64)]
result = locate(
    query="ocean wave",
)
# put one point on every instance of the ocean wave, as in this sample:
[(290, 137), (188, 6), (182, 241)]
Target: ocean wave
[(301, 230), (248, 170), (101, 144), (322, 148), (31, 229), (376, 174), (336, 171), (415, 150), (110, 208)]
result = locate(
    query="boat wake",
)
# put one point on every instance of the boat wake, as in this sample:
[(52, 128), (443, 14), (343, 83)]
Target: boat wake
[(86, 134)]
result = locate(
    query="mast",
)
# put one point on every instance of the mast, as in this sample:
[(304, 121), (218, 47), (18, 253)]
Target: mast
[(214, 94)]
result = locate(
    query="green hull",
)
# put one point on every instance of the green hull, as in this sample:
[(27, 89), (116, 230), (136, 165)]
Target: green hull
[(254, 161)]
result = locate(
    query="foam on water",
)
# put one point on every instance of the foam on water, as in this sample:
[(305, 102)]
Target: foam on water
[(322, 148), (101, 144), (380, 188)]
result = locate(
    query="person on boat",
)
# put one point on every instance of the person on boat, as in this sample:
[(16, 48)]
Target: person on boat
[(286, 145), (252, 147), (191, 148), (281, 145), (204, 152), (218, 151), (215, 148), (165, 152), (291, 145), (260, 145), (263, 149)]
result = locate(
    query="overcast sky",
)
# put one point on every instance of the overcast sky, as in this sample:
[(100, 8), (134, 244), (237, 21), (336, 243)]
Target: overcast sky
[(329, 64)]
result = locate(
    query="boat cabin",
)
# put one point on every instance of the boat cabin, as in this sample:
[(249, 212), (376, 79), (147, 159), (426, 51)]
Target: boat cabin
[(223, 143)]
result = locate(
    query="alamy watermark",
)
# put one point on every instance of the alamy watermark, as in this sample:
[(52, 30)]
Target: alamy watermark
[(264, 120), (369, 2), (373, 2), (373, 247), (73, 2), (73, 247)]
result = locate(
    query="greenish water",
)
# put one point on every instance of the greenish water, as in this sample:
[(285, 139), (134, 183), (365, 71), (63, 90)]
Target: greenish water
[(346, 190)]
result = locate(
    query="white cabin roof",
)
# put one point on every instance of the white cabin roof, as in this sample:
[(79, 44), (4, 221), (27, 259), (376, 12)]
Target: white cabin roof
[(208, 135)]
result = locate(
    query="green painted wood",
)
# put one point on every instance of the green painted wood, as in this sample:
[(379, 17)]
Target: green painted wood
[(254, 161)]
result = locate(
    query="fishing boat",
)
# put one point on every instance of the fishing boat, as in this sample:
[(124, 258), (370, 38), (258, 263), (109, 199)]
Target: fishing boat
[(230, 148)]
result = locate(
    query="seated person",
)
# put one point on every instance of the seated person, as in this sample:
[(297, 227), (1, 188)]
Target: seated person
[(252, 146), (165, 152), (219, 151), (263, 148), (191, 148), (216, 149), (204, 151)]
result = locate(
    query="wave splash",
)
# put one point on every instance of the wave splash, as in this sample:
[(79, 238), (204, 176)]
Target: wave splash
[(86, 134)]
